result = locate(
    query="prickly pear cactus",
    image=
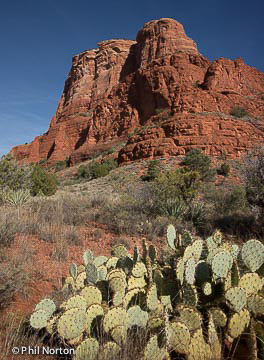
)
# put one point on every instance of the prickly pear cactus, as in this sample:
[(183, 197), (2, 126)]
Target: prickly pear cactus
[(193, 305)]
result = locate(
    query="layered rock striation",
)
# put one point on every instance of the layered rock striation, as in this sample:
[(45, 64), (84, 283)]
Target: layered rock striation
[(158, 95)]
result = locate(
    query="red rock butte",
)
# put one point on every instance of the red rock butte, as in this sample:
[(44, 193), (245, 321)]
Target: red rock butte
[(158, 96)]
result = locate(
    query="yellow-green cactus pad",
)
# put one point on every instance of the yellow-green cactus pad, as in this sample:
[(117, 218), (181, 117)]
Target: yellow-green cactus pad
[(76, 301), (188, 253), (221, 264), (137, 317), (179, 337), (119, 251), (47, 305), (152, 298), (251, 283), (153, 351), (134, 283), (236, 298), (39, 319), (100, 260), (115, 317), (87, 257), (155, 323), (117, 284), (71, 324), (180, 270), (171, 236), (80, 281), (165, 300), (119, 334), (76, 341), (110, 351), (217, 237), (190, 317), (52, 324), (139, 270), (199, 349), (92, 312), (102, 272), (88, 349), (252, 254), (190, 271), (92, 295), (130, 296), (197, 249), (211, 244), (80, 268), (116, 273), (256, 304), (119, 297), (238, 323), (218, 316), (190, 296), (111, 262), (213, 340), (207, 288)]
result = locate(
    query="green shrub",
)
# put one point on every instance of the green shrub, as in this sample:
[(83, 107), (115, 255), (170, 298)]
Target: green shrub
[(253, 176), (195, 160), (95, 169), (224, 169), (61, 165), (238, 112), (43, 183), (153, 171), (12, 176)]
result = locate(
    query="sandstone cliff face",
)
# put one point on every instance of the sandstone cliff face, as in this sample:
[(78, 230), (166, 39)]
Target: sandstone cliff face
[(161, 85)]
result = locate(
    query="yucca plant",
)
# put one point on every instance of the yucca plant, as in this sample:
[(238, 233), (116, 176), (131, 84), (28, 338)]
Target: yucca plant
[(16, 198), (173, 207)]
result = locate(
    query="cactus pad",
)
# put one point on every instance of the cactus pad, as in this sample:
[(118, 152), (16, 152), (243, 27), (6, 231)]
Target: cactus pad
[(92, 295), (207, 289), (137, 317), (199, 349), (134, 283), (197, 249), (116, 273), (76, 301), (119, 251), (236, 298), (100, 260), (73, 271), (87, 257), (102, 272), (115, 317), (152, 253), (153, 351), (139, 270), (238, 323), (47, 305), (111, 262), (219, 317), (131, 295), (111, 351), (217, 237), (88, 349), (91, 273), (80, 281), (190, 296), (171, 236), (221, 264), (252, 254), (202, 273), (256, 304), (251, 283), (152, 298), (39, 319), (71, 324), (190, 271), (190, 317), (119, 334), (92, 312), (179, 337)]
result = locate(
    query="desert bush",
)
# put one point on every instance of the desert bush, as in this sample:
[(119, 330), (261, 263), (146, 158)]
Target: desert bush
[(196, 213), (252, 174), (153, 171), (43, 183), (61, 165), (95, 169), (195, 160), (224, 169), (238, 112), (8, 230), (12, 176), (15, 197)]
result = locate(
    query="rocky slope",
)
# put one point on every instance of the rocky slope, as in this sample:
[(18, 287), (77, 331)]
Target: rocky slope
[(159, 95)]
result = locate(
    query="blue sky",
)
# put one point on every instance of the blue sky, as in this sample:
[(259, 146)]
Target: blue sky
[(39, 38)]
